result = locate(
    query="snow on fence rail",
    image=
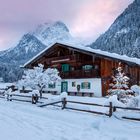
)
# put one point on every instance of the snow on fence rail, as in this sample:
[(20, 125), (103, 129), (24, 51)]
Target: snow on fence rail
[(32, 98), (125, 108), (115, 108), (53, 103), (65, 104), (22, 98), (2, 95), (111, 109)]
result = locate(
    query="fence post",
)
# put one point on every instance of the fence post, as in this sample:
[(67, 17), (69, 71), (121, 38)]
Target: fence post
[(36, 97), (10, 97), (7, 97), (64, 102), (110, 109), (114, 109), (33, 99)]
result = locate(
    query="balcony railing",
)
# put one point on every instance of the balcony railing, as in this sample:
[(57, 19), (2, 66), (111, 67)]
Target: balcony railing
[(62, 59), (80, 74)]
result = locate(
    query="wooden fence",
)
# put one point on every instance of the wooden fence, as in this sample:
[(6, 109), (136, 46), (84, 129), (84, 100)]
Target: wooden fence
[(2, 95), (110, 107), (22, 98), (65, 102), (115, 108), (64, 105)]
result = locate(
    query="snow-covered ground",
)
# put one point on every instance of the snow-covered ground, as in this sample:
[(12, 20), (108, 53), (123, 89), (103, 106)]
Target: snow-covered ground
[(21, 121), (5, 85)]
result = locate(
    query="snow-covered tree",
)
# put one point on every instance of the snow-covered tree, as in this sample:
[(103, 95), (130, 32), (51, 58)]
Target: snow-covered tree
[(120, 85), (135, 101), (39, 78)]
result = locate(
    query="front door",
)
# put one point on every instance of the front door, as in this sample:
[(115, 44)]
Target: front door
[(64, 86)]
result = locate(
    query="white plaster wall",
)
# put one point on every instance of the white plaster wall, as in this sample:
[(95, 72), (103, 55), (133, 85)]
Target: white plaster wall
[(95, 85)]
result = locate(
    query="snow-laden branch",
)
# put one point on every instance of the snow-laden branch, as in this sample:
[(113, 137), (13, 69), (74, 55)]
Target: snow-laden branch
[(39, 78)]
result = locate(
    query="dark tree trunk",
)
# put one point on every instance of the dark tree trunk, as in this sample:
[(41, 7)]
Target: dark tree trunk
[(40, 91)]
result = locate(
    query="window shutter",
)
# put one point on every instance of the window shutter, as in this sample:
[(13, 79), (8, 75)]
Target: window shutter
[(65, 67), (82, 85), (88, 85)]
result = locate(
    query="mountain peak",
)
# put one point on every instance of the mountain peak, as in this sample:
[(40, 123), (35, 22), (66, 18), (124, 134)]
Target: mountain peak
[(31, 44), (51, 29), (50, 24), (61, 24)]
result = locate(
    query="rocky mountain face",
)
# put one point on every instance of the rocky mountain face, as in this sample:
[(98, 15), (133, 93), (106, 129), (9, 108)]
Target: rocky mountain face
[(30, 45), (25, 49), (123, 37)]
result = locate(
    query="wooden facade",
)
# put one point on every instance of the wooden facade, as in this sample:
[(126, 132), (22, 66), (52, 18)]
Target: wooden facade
[(75, 63)]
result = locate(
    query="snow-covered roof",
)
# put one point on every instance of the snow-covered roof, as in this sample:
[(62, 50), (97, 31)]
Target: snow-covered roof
[(87, 49), (5, 85)]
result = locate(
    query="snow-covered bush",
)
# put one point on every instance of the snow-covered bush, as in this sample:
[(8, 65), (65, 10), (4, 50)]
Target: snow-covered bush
[(38, 78), (134, 102), (63, 94), (114, 100), (8, 94), (8, 91), (136, 89), (35, 92)]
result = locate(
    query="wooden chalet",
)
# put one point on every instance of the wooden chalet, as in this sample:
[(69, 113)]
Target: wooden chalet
[(84, 71)]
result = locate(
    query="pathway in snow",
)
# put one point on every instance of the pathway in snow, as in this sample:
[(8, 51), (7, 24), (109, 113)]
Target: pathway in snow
[(24, 121)]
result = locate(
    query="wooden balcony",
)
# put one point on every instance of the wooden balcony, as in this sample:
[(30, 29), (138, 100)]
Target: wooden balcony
[(80, 74), (61, 59)]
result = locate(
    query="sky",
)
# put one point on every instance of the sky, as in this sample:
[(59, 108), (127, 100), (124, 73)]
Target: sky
[(86, 19)]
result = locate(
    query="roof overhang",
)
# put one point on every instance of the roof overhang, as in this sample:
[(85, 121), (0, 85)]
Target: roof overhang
[(107, 55)]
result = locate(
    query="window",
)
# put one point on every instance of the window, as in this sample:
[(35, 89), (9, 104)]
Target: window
[(87, 67), (51, 85), (85, 85), (96, 67), (65, 67), (72, 68), (73, 84)]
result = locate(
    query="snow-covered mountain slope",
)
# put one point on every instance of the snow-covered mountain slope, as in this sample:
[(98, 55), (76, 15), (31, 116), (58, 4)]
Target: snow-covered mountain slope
[(123, 37), (52, 32), (25, 49), (31, 44)]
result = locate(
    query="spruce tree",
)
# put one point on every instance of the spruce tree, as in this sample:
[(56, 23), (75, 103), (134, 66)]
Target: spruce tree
[(120, 85)]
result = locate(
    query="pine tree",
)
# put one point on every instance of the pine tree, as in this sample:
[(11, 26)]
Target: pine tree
[(120, 85)]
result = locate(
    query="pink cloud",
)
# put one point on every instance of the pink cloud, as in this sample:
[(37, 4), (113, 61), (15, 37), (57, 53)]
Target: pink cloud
[(85, 18), (96, 16)]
